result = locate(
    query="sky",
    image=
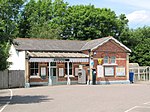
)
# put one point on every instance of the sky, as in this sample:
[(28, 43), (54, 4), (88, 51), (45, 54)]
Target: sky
[(136, 11)]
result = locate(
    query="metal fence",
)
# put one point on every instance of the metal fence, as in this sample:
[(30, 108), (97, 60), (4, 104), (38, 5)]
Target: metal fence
[(141, 73), (12, 79)]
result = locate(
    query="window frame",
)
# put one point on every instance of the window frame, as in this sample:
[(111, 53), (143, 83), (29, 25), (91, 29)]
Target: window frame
[(70, 69), (113, 71), (106, 58), (35, 68), (113, 60)]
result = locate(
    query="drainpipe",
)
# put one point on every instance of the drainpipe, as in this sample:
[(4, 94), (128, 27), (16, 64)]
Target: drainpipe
[(27, 76), (90, 67), (68, 78)]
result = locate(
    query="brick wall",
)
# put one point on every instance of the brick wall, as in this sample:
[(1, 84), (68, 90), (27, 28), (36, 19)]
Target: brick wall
[(111, 49)]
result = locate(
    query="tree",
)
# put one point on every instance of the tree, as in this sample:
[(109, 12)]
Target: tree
[(4, 55), (139, 42), (44, 30), (87, 22), (9, 10), (74, 22), (42, 18)]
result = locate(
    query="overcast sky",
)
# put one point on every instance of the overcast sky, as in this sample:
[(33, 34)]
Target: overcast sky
[(137, 11)]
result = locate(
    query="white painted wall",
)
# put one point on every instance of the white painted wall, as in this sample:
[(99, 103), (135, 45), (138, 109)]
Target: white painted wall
[(17, 58)]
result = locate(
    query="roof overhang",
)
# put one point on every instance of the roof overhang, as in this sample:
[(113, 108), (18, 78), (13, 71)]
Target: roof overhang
[(57, 57), (112, 38)]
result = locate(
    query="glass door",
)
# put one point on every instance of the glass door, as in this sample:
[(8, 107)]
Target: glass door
[(53, 73)]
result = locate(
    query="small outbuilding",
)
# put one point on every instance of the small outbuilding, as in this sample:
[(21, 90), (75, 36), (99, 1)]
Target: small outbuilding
[(53, 62)]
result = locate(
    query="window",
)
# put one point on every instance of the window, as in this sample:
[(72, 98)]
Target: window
[(113, 59), (34, 69), (70, 68), (53, 64), (106, 59)]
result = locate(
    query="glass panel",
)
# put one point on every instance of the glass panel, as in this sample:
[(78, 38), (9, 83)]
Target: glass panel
[(51, 71), (53, 63), (32, 65), (32, 72), (106, 59), (70, 68), (70, 71), (70, 65), (34, 68), (36, 71), (36, 65), (54, 71), (113, 59)]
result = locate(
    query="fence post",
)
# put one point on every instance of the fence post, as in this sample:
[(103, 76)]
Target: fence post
[(138, 74), (149, 74), (8, 78)]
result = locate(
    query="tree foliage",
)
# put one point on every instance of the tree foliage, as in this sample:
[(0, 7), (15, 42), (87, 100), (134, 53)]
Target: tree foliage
[(69, 22), (38, 19), (4, 55), (56, 19), (139, 42), (87, 22), (9, 10)]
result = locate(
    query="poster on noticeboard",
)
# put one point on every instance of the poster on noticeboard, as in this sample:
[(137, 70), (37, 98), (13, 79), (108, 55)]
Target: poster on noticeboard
[(120, 71)]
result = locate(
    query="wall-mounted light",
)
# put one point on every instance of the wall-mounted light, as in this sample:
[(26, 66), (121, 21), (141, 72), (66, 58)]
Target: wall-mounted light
[(94, 53)]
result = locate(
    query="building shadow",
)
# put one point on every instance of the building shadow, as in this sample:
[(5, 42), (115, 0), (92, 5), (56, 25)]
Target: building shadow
[(25, 99)]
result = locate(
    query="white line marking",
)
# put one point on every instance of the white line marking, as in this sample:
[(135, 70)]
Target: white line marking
[(131, 109), (143, 107), (136, 107), (7, 103), (4, 106), (11, 94), (146, 103)]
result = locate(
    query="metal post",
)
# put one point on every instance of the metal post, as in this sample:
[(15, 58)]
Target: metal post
[(127, 65), (144, 71), (91, 66), (88, 78), (50, 78), (138, 74), (149, 74), (146, 78), (90, 71), (68, 79)]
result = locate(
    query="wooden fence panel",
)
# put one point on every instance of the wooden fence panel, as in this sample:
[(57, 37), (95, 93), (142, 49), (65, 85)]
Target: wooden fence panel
[(16, 78), (12, 79), (3, 79)]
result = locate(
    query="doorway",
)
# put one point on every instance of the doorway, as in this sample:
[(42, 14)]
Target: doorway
[(53, 73)]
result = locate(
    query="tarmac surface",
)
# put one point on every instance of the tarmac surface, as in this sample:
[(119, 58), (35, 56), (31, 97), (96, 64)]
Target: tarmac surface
[(77, 98)]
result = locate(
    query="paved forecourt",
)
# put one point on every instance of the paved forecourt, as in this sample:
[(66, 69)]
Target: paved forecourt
[(80, 98)]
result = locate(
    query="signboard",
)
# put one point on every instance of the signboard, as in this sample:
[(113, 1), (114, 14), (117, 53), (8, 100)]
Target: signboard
[(100, 72), (60, 60), (109, 71), (61, 71), (92, 63), (99, 61), (43, 71), (120, 71)]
